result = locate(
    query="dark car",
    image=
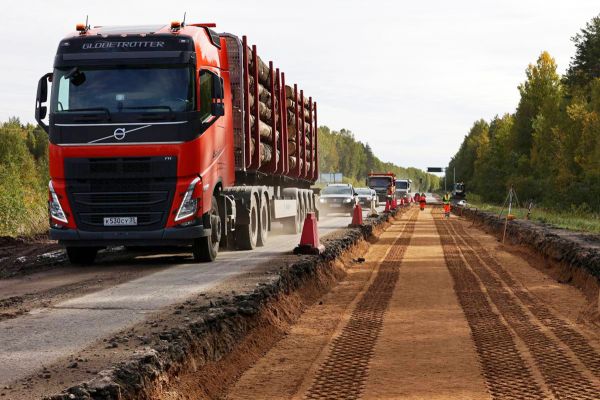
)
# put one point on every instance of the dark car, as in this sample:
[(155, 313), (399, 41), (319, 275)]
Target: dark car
[(338, 198), (367, 197)]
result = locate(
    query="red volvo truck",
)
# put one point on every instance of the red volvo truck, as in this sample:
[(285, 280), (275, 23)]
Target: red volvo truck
[(173, 135)]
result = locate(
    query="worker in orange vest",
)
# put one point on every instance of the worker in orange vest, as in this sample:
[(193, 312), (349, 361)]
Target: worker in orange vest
[(422, 201), (446, 200)]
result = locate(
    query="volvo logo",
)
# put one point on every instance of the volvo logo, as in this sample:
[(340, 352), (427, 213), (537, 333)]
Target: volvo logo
[(119, 133)]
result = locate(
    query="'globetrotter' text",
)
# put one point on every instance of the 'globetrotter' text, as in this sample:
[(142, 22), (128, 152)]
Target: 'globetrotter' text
[(116, 45)]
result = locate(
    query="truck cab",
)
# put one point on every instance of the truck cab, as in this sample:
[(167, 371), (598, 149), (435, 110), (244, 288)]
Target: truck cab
[(403, 188), (384, 185)]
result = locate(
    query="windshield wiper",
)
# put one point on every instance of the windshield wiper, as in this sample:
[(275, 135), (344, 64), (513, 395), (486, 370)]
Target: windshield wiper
[(149, 115), (94, 110), (169, 109)]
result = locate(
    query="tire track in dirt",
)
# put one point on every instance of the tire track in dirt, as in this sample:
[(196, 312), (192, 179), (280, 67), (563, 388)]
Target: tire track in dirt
[(506, 373), (575, 340), (558, 370), (343, 373)]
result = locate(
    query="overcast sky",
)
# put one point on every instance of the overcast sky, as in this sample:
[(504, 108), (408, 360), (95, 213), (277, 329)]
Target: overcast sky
[(409, 78)]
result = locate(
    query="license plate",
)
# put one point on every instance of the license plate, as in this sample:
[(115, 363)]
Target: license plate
[(120, 221), (335, 205)]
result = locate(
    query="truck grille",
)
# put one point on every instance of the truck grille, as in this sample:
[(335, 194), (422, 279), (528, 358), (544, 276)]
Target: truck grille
[(141, 187)]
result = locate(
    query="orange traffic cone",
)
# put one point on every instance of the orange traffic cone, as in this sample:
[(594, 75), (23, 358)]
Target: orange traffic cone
[(394, 204), (309, 242), (387, 206), (357, 219)]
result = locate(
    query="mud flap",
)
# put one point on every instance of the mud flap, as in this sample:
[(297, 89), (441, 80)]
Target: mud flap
[(227, 213)]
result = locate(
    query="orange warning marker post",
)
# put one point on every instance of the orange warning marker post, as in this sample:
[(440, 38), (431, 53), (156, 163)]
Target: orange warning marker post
[(309, 242), (387, 206), (357, 218)]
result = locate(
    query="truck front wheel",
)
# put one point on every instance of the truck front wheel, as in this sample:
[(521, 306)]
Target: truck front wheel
[(82, 255), (205, 249)]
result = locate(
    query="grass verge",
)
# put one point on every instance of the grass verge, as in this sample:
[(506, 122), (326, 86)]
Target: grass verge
[(570, 218)]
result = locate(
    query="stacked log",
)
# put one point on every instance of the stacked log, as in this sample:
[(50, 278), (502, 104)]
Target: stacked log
[(304, 129), (261, 99), (265, 103)]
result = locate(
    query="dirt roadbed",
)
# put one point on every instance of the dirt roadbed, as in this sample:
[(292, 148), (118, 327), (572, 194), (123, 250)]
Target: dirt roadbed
[(439, 310), (160, 357)]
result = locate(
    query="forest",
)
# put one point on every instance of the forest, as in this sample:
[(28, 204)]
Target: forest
[(548, 149), (339, 151)]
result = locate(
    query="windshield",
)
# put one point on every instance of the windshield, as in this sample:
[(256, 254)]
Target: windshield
[(123, 89), (337, 190), (379, 181), (401, 185), (363, 192)]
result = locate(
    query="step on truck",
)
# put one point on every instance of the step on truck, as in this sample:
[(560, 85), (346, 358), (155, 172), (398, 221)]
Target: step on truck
[(173, 135)]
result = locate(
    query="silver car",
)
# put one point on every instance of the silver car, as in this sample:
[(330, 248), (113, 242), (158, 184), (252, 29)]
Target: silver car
[(367, 197), (338, 198)]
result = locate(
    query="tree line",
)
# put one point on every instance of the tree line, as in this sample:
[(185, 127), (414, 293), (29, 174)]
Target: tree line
[(23, 178), (340, 152), (548, 149)]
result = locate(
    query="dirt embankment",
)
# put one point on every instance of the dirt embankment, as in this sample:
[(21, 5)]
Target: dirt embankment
[(194, 359), (568, 256), (27, 254)]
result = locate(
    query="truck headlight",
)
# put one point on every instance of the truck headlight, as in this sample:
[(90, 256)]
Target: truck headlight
[(347, 201), (322, 200), (189, 205), (54, 206)]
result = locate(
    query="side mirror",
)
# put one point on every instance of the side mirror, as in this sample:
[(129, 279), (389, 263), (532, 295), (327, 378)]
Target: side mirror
[(41, 98), (217, 109), (217, 87)]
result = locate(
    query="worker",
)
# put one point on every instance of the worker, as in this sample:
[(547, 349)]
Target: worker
[(417, 197), (422, 201), (446, 201)]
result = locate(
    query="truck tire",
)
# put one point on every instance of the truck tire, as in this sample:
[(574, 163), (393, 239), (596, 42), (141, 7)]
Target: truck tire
[(82, 255), (247, 234), (263, 222), (205, 249), (303, 207)]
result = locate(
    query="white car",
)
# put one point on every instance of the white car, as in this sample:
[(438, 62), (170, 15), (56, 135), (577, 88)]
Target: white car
[(367, 197)]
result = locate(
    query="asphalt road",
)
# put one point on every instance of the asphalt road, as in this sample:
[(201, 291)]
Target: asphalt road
[(45, 335)]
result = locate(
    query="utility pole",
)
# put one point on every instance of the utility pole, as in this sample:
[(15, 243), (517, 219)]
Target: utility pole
[(454, 177)]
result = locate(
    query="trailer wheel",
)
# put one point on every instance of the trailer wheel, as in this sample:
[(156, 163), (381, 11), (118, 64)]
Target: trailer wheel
[(82, 255), (205, 249), (263, 223), (246, 235)]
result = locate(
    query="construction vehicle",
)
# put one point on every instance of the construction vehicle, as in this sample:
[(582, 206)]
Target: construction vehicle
[(384, 184), (459, 191), (173, 135), (403, 188)]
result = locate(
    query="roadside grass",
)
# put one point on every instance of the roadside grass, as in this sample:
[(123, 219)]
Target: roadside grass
[(573, 219)]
